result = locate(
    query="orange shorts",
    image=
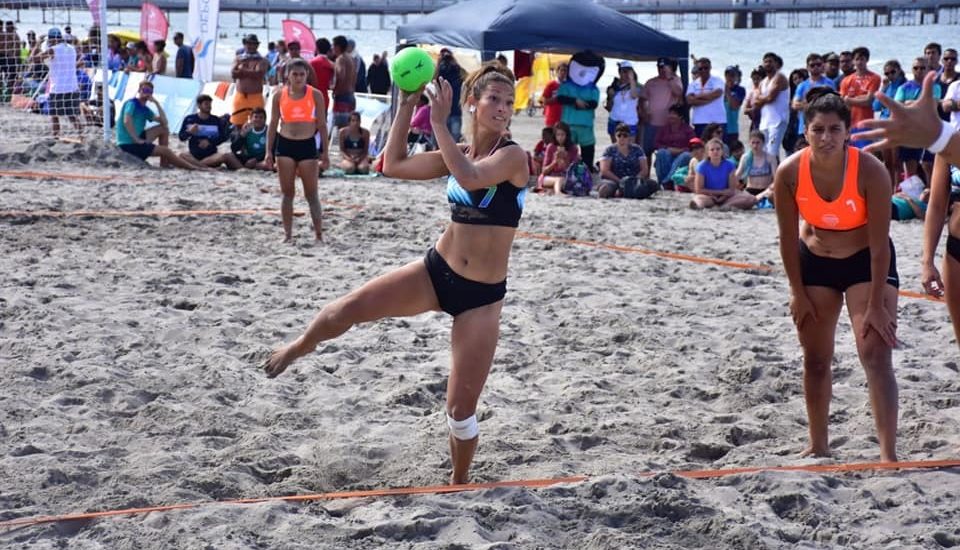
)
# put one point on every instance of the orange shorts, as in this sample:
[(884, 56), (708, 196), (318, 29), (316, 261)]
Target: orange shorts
[(243, 105)]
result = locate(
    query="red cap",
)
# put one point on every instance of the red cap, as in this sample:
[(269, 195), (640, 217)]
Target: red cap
[(695, 141)]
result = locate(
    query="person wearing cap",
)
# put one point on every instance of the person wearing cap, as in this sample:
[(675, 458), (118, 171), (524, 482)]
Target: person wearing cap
[(705, 95), (64, 87), (684, 170), (663, 91), (733, 96), (624, 96), (140, 60), (249, 71)]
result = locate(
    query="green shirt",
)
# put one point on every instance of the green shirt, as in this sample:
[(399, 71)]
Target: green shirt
[(570, 114), (141, 114)]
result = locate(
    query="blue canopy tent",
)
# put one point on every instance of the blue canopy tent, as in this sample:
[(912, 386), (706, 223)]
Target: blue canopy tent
[(562, 26)]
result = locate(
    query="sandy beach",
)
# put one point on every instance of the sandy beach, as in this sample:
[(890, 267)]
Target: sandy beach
[(129, 348)]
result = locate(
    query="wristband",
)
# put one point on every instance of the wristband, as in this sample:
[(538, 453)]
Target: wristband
[(946, 132)]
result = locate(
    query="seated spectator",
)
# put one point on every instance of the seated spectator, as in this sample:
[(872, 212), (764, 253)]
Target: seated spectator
[(92, 110), (684, 169), (249, 146), (557, 158), (758, 167), (672, 140), (203, 133), (354, 147), (135, 139), (536, 160), (715, 131), (624, 170), (715, 183), (421, 130), (911, 202)]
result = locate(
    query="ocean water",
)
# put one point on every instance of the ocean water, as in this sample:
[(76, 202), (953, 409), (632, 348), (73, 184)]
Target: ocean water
[(744, 47)]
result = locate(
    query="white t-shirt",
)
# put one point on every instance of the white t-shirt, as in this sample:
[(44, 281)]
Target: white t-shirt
[(625, 107), (953, 92), (777, 111), (713, 111), (63, 70)]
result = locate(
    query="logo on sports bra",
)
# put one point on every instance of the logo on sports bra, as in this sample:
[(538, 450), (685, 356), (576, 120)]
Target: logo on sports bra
[(830, 220), (851, 204)]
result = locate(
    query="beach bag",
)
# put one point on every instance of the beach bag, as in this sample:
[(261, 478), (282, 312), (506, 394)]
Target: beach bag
[(578, 180), (679, 176), (638, 188)]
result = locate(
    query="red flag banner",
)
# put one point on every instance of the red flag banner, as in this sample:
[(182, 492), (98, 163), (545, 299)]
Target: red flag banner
[(295, 31), (94, 6), (153, 25)]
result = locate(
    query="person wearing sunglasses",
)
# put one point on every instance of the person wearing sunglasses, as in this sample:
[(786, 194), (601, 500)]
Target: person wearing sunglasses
[(947, 80), (816, 78), (893, 78), (134, 138), (916, 157)]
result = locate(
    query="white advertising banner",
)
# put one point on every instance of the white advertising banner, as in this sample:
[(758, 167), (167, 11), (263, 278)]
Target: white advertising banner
[(203, 16)]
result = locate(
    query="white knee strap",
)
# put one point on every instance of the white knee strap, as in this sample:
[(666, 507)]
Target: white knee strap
[(465, 429)]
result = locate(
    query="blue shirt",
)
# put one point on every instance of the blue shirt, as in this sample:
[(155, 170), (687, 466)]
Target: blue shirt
[(140, 113), (624, 166), (910, 90), (716, 178), (889, 91), (186, 54), (801, 93), (733, 115)]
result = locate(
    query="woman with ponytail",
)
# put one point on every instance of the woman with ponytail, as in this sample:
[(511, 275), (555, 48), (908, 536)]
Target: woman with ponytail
[(465, 273)]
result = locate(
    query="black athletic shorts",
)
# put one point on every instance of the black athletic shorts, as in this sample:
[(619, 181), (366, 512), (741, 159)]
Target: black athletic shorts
[(65, 104), (457, 294), (842, 273), (297, 149), (139, 150)]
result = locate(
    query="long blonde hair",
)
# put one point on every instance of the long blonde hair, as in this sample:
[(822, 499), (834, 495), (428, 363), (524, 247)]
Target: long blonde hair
[(478, 81)]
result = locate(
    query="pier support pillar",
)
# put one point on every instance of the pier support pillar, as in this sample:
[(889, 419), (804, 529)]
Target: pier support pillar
[(758, 20), (740, 20)]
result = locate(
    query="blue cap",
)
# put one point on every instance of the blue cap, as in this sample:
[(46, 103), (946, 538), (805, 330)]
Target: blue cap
[(54, 32)]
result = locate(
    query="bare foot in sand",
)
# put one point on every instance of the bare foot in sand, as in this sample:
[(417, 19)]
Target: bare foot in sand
[(279, 360), (815, 452)]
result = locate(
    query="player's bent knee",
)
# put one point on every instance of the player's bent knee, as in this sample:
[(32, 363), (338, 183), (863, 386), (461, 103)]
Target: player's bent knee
[(465, 429)]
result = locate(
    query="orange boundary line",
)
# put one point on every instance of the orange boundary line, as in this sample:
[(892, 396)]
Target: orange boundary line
[(648, 252), (687, 258), (40, 175), (524, 483)]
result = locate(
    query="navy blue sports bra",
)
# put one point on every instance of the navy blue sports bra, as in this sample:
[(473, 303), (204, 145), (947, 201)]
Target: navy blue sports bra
[(500, 204), (350, 143)]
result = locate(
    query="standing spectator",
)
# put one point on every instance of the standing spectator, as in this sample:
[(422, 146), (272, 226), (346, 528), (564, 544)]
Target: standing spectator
[(361, 85), (203, 133), (663, 91), (378, 75), (184, 59), (774, 102), (847, 65), (733, 96), (951, 106), (294, 51), (815, 67), (133, 137), (273, 60), (624, 94), (750, 108), (915, 158), (672, 140), (932, 53), (858, 90), (948, 75), (791, 137), (551, 107), (705, 95), (323, 69), (64, 88), (159, 59), (344, 84), (140, 60), (832, 68), (450, 70), (9, 54), (580, 97), (893, 78), (248, 71)]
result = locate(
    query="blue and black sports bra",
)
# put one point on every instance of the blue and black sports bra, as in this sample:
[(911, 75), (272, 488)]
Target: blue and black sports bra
[(350, 143), (500, 204)]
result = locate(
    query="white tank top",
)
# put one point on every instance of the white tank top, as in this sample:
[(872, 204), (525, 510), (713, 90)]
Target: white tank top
[(625, 108), (63, 69), (777, 111)]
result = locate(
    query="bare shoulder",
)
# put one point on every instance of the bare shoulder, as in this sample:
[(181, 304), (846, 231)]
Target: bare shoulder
[(787, 170)]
